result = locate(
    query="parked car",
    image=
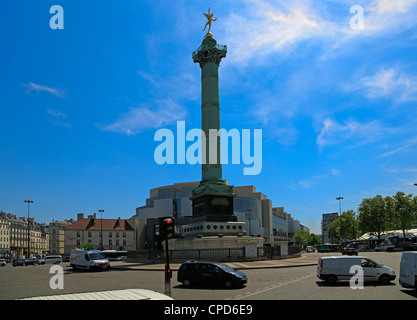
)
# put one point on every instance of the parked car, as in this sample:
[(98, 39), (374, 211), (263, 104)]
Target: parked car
[(30, 262), (408, 270), (209, 274), (24, 262), (350, 251), (310, 249), (2, 262), (120, 258), (56, 259), (335, 268)]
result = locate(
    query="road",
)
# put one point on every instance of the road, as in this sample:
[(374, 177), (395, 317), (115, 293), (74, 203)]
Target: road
[(295, 283)]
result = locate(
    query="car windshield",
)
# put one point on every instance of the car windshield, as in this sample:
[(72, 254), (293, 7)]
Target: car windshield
[(225, 268), (96, 256)]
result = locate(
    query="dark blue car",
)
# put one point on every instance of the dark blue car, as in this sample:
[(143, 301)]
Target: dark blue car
[(210, 274)]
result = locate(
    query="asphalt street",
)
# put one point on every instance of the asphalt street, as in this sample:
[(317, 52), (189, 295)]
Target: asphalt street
[(289, 279)]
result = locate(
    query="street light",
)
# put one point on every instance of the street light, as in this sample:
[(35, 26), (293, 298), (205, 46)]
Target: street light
[(28, 202), (101, 230), (340, 213)]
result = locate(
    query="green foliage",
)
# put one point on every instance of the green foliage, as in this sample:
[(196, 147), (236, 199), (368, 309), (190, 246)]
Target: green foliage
[(346, 226), (379, 214), (88, 246), (305, 238)]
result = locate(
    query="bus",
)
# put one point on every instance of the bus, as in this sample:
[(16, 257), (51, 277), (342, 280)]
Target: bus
[(327, 247), (113, 255)]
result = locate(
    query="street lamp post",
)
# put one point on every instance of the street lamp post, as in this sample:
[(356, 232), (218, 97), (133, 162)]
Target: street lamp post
[(101, 229), (28, 252), (340, 213)]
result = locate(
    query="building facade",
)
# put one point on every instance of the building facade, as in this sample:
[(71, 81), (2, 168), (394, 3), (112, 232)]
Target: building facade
[(4, 235), (327, 219), (20, 235), (57, 236), (105, 234), (252, 207)]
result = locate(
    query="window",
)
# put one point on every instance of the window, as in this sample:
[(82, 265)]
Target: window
[(110, 235), (78, 234)]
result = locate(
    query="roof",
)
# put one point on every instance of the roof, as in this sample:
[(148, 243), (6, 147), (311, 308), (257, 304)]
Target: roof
[(393, 233), (101, 224)]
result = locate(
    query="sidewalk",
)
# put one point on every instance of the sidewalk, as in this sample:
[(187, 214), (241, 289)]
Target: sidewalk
[(306, 259)]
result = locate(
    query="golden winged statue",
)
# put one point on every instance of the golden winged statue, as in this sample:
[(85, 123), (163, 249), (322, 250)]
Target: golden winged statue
[(209, 17)]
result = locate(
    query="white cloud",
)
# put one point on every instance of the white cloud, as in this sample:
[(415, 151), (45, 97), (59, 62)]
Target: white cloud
[(336, 172), (58, 118), (408, 144), (262, 28), (389, 83), (350, 133), (268, 28), (40, 88), (308, 183), (57, 114), (162, 113)]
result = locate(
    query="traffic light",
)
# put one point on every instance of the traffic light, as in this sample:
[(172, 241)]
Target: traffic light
[(168, 273), (166, 228)]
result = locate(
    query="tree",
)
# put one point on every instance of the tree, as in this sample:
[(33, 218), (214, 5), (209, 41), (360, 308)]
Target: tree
[(302, 237), (404, 210), (374, 215), (345, 227), (314, 240), (88, 246), (305, 238)]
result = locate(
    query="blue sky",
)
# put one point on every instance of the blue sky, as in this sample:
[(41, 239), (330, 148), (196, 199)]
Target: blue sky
[(80, 106)]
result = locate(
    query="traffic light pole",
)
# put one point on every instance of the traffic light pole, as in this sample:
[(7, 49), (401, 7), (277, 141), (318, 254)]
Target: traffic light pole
[(168, 273)]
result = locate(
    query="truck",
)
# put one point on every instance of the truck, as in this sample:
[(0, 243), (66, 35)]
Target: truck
[(408, 270), (401, 244)]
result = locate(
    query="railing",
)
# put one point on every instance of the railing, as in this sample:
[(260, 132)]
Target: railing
[(208, 254), (219, 254)]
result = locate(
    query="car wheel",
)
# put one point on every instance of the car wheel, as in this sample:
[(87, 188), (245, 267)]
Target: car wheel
[(186, 283), (331, 279), (228, 284), (384, 279)]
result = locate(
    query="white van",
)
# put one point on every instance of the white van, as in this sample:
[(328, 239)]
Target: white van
[(332, 269), (89, 260), (408, 270)]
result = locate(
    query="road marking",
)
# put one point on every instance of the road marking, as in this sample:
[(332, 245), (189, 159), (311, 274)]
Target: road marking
[(248, 294)]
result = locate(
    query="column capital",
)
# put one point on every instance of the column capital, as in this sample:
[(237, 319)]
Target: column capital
[(209, 51)]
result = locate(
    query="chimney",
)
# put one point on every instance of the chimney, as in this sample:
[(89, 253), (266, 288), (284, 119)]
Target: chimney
[(80, 216)]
